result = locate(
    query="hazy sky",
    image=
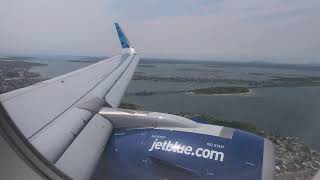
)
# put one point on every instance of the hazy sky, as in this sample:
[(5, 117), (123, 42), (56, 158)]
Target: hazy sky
[(288, 30)]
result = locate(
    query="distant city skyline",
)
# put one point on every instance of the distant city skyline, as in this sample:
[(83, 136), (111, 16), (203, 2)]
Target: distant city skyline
[(274, 30)]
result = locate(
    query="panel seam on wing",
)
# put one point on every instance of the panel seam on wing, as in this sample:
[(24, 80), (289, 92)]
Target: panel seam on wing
[(47, 124)]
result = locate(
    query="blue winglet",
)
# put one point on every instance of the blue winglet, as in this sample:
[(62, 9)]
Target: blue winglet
[(122, 37)]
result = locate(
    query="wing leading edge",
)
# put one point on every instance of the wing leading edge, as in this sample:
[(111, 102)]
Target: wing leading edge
[(53, 113)]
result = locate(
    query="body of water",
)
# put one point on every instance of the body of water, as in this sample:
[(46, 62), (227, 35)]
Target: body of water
[(288, 111)]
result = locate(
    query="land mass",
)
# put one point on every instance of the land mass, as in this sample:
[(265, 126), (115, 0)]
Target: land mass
[(200, 91), (220, 90), (15, 74), (19, 58), (276, 81), (7, 65)]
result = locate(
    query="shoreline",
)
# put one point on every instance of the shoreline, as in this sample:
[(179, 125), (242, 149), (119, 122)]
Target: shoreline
[(250, 93)]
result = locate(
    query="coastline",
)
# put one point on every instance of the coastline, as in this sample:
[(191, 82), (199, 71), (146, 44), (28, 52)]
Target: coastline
[(250, 93)]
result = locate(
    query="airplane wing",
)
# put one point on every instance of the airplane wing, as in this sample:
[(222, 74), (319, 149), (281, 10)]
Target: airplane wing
[(55, 114), (60, 128)]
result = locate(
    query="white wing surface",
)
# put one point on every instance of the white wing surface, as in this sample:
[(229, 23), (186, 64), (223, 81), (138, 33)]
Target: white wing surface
[(55, 114)]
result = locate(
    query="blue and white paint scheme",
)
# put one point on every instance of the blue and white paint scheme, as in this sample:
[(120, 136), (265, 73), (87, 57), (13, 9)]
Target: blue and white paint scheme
[(122, 37), (124, 41), (166, 154), (72, 119), (164, 146)]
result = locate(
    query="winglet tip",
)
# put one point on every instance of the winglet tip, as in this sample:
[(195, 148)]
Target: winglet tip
[(125, 43)]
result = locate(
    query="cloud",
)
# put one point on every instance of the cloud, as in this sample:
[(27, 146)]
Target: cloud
[(73, 26), (273, 29), (148, 9)]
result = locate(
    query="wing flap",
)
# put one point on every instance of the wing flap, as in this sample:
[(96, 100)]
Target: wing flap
[(61, 133), (81, 158)]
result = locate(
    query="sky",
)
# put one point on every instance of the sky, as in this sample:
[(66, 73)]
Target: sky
[(269, 30)]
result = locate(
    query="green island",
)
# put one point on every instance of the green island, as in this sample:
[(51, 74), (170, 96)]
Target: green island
[(220, 90)]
